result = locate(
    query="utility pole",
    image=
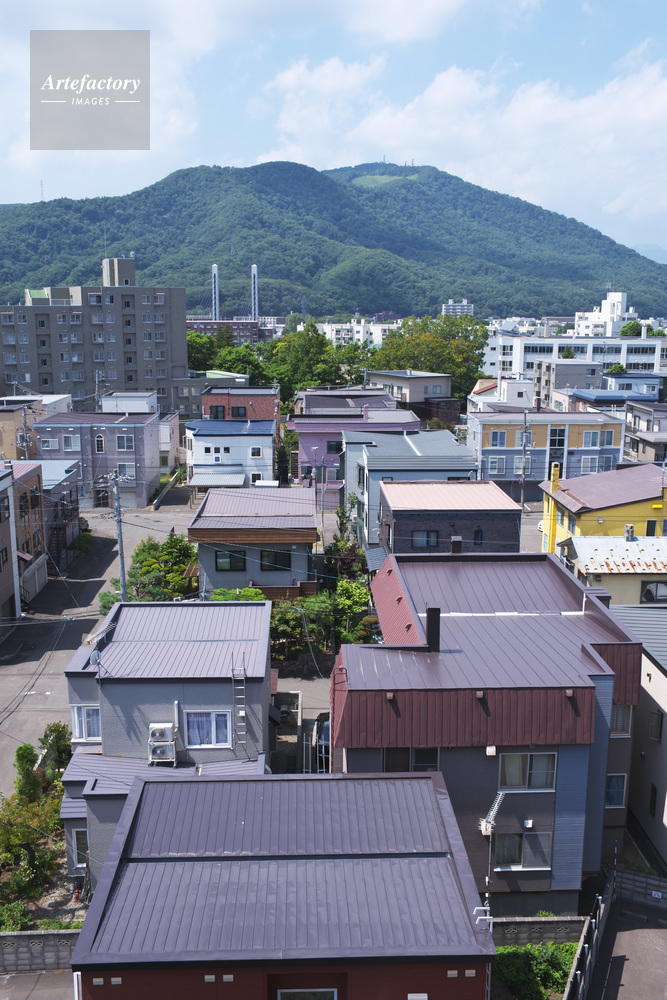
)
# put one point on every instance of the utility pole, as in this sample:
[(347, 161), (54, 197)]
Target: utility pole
[(113, 479), (25, 431)]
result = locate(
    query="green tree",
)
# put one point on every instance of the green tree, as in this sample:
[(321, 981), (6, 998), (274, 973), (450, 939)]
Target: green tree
[(201, 350), (304, 359), (224, 337), (291, 323), (27, 784), (244, 361), (631, 329), (156, 572), (353, 360), (617, 369), (56, 746), (567, 353), (452, 345)]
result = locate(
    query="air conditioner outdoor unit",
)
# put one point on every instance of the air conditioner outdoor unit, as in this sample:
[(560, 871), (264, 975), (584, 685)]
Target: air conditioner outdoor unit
[(161, 751), (161, 732)]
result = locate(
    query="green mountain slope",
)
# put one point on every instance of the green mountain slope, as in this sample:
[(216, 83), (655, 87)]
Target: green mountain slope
[(372, 237)]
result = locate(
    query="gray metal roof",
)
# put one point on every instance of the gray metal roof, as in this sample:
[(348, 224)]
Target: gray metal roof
[(613, 554), (375, 556), (73, 808), (203, 639), (421, 449), (285, 868), (251, 509), (54, 471), (213, 479), (609, 489), (231, 428), (649, 624), (409, 373), (86, 419)]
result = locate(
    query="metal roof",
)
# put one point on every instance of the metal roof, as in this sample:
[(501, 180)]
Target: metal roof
[(231, 428), (21, 468), (632, 484), (423, 496), (375, 556), (54, 471), (213, 479), (203, 639), (615, 555), (285, 868), (416, 450), (409, 373), (84, 419), (649, 624), (502, 413), (251, 509)]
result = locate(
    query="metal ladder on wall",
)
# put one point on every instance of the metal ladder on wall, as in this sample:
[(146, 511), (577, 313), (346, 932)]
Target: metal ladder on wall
[(240, 721)]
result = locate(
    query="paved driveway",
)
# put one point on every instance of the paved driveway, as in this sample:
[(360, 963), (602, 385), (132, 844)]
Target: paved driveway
[(45, 985), (632, 964)]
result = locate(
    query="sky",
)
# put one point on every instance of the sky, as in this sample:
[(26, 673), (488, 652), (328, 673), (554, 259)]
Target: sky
[(560, 102)]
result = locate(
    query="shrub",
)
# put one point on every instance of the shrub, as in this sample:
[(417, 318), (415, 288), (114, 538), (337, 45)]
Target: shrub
[(55, 742), (536, 971), (59, 925), (14, 916), (27, 784)]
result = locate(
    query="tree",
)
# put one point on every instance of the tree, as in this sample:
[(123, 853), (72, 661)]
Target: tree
[(631, 329), (567, 353), (27, 784), (224, 337), (157, 572), (304, 359), (244, 361), (453, 345), (201, 350), (617, 369), (56, 746), (353, 360)]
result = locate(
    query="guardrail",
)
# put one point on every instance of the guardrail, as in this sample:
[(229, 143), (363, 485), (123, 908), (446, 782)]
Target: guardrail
[(160, 497)]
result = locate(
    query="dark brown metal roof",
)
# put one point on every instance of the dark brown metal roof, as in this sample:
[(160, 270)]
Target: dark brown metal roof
[(266, 512), (632, 484), (285, 868)]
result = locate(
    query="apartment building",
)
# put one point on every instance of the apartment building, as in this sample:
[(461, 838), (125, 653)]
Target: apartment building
[(550, 376), (462, 308), (18, 414), (9, 571), (77, 339), (30, 529), (645, 432), (518, 355)]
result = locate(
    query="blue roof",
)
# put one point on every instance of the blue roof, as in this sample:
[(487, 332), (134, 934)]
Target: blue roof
[(612, 395), (230, 428)]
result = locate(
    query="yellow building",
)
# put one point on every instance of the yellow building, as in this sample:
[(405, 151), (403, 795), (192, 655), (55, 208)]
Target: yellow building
[(604, 503)]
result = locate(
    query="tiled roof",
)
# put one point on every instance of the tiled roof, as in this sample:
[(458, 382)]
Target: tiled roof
[(643, 481)]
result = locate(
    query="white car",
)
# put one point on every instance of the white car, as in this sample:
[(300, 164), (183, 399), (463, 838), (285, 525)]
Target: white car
[(540, 525)]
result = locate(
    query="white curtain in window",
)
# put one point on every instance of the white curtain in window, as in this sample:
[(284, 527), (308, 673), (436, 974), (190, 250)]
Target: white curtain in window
[(199, 728), (93, 731), (513, 770), (221, 727)]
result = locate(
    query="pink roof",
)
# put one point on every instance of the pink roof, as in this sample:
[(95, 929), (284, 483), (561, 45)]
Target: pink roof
[(480, 495)]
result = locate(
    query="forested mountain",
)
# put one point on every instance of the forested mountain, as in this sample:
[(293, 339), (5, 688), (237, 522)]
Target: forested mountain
[(373, 237)]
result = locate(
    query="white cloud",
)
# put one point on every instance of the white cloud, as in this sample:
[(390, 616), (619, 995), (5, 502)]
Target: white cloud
[(596, 157)]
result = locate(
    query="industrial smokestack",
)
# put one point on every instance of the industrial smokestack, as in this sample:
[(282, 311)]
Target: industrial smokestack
[(433, 630)]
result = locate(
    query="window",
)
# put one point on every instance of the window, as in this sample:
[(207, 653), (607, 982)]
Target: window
[(99, 444), (523, 850), (4, 558), (496, 465), (272, 560), (98, 356), (111, 318), (111, 336), (527, 770), (591, 439), (614, 791), (75, 318), (97, 338), (518, 460), (319, 994), (112, 373), (94, 299), (86, 722), (158, 299), (655, 725), (71, 442), (49, 444), (77, 357), (80, 847), (111, 355), (26, 377), (238, 411), (255, 452), (125, 442), (478, 536), (498, 439), (589, 464), (4, 509), (148, 355), (607, 439), (126, 469), (651, 527), (148, 373), (620, 720), (208, 729), (605, 463), (109, 299), (230, 562), (217, 412), (557, 437), (146, 318), (422, 539), (334, 447)]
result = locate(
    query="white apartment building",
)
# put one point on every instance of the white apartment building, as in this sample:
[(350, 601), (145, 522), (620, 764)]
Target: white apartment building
[(511, 355), (359, 331), (462, 308), (80, 339), (607, 319)]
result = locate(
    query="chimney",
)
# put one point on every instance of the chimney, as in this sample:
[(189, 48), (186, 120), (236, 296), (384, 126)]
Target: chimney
[(456, 544), (364, 411), (433, 630), (538, 403), (629, 532)]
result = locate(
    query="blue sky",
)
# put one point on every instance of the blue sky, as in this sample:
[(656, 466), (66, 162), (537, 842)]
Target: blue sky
[(561, 102)]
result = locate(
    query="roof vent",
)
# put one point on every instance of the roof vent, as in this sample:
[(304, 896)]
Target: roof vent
[(629, 530)]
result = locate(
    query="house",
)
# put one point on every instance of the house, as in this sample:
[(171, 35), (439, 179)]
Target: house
[(134, 401), (288, 887), (504, 673), (510, 391), (604, 504), (229, 452), (370, 458), (10, 602), (126, 445), (30, 529), (320, 418), (645, 432), (648, 783), (240, 402), (428, 394), (632, 570), (580, 443), (61, 511), (166, 685), (18, 414), (75, 337), (424, 516), (262, 538), (550, 376)]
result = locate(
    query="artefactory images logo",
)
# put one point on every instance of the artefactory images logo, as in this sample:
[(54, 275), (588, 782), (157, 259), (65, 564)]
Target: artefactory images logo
[(89, 90)]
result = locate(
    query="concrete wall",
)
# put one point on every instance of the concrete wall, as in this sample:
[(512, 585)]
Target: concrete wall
[(298, 571), (36, 951)]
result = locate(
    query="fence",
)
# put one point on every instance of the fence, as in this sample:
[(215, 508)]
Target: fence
[(589, 946), (36, 951), (635, 887), (521, 931)]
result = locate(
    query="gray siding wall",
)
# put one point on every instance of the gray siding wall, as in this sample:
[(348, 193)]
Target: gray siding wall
[(70, 826), (569, 821), (597, 772), (500, 529), (253, 569), (128, 708), (103, 816)]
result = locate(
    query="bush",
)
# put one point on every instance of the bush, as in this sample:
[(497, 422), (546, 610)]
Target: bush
[(28, 879), (27, 784), (59, 925), (14, 916), (536, 971), (55, 742)]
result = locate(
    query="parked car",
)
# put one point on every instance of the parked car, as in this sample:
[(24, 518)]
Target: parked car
[(83, 524)]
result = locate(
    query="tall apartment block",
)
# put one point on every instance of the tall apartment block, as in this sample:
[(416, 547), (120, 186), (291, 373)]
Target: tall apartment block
[(93, 339)]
